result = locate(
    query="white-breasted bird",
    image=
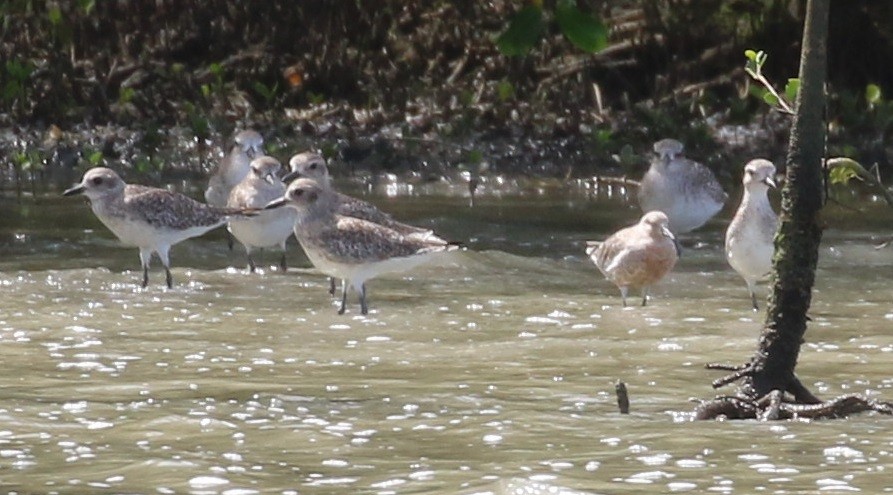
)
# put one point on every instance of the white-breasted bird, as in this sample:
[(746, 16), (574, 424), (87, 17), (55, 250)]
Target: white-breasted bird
[(349, 248), (750, 236), (149, 218), (269, 228), (312, 165)]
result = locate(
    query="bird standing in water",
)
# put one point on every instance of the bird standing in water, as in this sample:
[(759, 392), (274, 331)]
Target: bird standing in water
[(348, 248), (149, 218), (685, 190), (638, 256), (268, 228), (750, 236)]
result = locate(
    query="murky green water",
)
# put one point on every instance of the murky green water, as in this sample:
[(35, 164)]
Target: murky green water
[(489, 372)]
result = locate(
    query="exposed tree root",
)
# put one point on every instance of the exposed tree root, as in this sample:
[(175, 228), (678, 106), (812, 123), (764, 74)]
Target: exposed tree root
[(773, 406), (794, 402)]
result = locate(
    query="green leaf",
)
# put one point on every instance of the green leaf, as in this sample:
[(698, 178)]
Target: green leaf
[(770, 99), (843, 169), (583, 30), (506, 90), (87, 6), (55, 15), (842, 175), (475, 157), (872, 94), (791, 89), (751, 55), (523, 32), (18, 70), (757, 91), (95, 158), (261, 89)]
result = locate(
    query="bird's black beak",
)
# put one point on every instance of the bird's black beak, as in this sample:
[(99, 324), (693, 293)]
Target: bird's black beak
[(669, 235), (74, 190), (291, 176), (276, 203)]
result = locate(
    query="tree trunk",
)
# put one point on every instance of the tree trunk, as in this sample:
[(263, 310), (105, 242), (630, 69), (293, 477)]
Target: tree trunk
[(769, 375), (800, 231)]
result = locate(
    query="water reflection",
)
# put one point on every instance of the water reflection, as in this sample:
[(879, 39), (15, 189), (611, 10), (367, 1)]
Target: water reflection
[(490, 371)]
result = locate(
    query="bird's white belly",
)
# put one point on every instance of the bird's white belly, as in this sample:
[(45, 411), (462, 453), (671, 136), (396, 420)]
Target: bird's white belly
[(268, 229), (750, 255), (357, 273), (138, 233)]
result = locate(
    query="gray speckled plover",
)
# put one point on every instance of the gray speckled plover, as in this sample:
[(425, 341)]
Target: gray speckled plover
[(638, 256), (313, 166), (149, 218), (233, 167), (351, 249), (749, 238), (685, 190), (269, 228)]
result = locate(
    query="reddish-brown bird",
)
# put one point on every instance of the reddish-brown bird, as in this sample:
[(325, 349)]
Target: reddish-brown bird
[(638, 256)]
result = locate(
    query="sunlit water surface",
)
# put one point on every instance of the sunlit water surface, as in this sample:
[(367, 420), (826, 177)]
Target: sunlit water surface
[(489, 371)]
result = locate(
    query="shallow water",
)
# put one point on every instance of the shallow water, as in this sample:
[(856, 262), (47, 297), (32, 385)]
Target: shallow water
[(490, 371)]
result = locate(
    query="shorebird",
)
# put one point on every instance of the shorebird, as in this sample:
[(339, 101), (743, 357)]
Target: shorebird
[(351, 249), (749, 238), (149, 218), (685, 190), (637, 256), (268, 228), (233, 167), (313, 166)]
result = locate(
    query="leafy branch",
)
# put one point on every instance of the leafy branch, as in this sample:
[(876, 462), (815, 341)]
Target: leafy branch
[(754, 68)]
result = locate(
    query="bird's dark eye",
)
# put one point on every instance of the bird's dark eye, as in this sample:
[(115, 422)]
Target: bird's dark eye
[(299, 192), (312, 166), (96, 181)]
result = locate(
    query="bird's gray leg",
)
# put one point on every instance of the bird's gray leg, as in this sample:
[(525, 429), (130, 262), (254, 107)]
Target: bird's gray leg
[(644, 296), (332, 286), (623, 291), (251, 266), (166, 261), (282, 264), (363, 308), (753, 295), (343, 295), (145, 257)]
